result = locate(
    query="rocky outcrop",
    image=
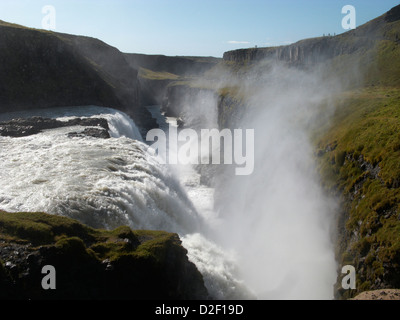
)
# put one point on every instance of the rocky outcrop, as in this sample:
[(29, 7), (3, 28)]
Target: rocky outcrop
[(34, 125), (158, 72), (375, 258), (92, 264), (40, 69), (113, 66), (384, 294), (303, 53), (91, 132)]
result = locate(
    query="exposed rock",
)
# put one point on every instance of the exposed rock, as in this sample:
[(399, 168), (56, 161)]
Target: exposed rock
[(34, 125), (40, 69), (303, 53), (312, 51), (393, 14), (91, 132), (114, 67), (15, 130), (383, 294), (90, 263)]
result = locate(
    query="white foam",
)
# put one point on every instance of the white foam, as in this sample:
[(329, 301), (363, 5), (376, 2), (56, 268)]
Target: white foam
[(106, 183)]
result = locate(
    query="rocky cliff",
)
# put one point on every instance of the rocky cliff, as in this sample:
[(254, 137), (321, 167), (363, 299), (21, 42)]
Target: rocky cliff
[(96, 127), (157, 72), (40, 69), (111, 65), (92, 264), (305, 52), (182, 66), (358, 150), (312, 51), (358, 156)]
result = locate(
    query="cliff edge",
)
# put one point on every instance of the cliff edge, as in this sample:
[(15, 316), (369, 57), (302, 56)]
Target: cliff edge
[(91, 263), (43, 69)]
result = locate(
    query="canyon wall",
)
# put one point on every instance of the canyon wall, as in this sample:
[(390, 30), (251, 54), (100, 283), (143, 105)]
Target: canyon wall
[(41, 69)]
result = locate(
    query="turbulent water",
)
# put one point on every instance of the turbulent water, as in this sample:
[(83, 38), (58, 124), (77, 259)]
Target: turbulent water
[(111, 182), (264, 236)]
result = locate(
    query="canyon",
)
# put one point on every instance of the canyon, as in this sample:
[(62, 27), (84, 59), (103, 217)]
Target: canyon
[(351, 132)]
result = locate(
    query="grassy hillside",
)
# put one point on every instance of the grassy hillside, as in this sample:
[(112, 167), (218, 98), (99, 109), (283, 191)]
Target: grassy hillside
[(359, 161), (181, 66), (359, 157), (358, 150)]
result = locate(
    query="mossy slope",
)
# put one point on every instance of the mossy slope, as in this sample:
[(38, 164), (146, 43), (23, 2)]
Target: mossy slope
[(92, 263), (359, 162)]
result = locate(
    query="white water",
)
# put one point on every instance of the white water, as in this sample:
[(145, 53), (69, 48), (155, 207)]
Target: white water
[(218, 265), (271, 232), (120, 124), (106, 183)]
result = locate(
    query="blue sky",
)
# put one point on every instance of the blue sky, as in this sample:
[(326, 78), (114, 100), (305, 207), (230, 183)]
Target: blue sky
[(193, 27)]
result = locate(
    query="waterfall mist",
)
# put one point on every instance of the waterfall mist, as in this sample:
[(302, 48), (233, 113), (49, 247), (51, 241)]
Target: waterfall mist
[(277, 221), (266, 235), (104, 183)]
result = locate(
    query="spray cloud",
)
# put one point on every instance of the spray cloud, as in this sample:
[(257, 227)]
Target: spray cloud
[(278, 220)]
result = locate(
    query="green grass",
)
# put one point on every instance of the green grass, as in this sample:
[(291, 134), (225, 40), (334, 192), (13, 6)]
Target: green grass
[(154, 75), (70, 235), (359, 156)]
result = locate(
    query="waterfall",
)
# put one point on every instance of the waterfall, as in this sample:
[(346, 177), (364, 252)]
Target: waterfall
[(264, 235), (106, 183), (274, 224)]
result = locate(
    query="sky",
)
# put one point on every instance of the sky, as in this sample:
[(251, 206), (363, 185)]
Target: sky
[(192, 27)]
